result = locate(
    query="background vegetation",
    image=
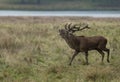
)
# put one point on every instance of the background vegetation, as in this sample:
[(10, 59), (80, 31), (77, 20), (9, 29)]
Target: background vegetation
[(31, 50), (60, 4)]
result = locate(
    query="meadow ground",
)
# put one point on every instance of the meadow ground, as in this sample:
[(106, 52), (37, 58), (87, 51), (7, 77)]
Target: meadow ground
[(31, 50)]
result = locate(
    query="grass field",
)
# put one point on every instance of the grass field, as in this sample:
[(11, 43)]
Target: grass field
[(31, 50)]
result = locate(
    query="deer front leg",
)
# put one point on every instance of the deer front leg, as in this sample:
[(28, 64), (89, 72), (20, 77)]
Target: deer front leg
[(75, 53)]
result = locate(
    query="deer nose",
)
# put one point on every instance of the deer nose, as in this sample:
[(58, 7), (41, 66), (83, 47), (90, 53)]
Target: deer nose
[(60, 34)]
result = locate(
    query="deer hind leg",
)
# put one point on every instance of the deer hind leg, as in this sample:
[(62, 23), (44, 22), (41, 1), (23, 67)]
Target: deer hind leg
[(75, 53), (86, 57), (102, 46), (102, 53)]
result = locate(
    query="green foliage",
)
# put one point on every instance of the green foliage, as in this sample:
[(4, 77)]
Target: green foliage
[(31, 50)]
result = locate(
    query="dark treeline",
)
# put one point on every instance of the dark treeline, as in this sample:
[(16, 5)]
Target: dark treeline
[(61, 4), (29, 2), (104, 2)]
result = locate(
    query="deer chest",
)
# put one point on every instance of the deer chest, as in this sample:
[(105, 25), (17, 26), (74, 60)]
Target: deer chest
[(73, 44)]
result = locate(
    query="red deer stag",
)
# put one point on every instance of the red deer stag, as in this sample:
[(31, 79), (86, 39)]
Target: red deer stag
[(83, 43)]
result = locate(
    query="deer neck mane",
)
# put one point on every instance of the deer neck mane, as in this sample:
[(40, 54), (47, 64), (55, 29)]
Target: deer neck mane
[(72, 41)]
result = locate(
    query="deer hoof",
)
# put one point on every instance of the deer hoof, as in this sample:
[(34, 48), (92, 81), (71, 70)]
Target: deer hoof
[(69, 64), (108, 61), (86, 64)]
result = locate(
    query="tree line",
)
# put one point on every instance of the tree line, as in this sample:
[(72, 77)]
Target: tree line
[(30, 1), (106, 2)]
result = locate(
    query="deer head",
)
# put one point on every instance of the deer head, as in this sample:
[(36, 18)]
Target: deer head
[(69, 29)]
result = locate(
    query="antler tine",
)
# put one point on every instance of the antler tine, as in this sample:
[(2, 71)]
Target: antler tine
[(86, 26), (69, 26), (66, 26)]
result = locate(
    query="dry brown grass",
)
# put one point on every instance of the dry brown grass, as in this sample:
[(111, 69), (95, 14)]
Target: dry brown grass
[(31, 50)]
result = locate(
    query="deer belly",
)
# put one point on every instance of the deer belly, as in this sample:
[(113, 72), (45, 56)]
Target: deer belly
[(86, 47), (92, 46)]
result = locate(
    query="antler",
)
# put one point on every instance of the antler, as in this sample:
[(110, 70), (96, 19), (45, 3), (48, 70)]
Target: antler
[(76, 27), (71, 28)]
